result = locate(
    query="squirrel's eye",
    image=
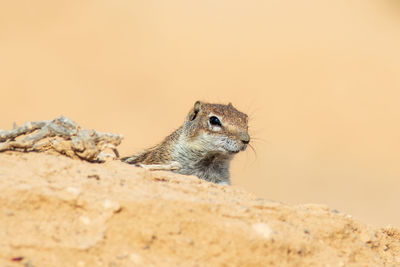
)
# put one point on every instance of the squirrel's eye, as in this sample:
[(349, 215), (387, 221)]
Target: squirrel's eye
[(214, 121)]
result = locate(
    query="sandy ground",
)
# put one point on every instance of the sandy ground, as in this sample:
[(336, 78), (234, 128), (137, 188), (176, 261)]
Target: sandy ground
[(319, 79), (57, 211)]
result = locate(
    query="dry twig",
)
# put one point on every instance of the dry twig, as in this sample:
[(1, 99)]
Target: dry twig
[(64, 136)]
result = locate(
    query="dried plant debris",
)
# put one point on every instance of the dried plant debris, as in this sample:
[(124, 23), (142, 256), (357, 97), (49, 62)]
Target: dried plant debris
[(63, 136)]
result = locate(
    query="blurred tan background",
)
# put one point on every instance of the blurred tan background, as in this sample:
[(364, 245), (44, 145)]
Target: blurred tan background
[(319, 79)]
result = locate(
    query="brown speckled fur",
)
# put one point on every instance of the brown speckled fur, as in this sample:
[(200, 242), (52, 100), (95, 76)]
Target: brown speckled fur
[(201, 148)]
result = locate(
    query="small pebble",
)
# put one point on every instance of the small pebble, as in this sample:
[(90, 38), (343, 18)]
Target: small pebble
[(263, 229), (135, 258), (85, 220), (94, 176), (73, 190), (17, 258)]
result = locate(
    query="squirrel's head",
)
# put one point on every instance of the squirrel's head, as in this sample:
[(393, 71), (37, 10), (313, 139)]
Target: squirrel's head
[(217, 128)]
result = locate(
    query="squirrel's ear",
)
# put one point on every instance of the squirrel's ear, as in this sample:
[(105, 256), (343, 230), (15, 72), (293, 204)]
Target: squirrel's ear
[(197, 106), (230, 104), (196, 109)]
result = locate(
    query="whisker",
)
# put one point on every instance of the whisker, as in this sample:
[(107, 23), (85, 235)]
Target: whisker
[(258, 140), (254, 151), (258, 130), (253, 160)]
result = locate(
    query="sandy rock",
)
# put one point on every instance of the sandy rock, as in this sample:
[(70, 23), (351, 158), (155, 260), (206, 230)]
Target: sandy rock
[(56, 211)]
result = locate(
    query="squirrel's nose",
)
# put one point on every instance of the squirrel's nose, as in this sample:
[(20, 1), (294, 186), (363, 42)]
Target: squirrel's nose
[(245, 138)]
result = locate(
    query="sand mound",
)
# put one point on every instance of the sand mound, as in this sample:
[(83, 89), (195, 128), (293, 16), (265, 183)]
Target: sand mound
[(56, 211)]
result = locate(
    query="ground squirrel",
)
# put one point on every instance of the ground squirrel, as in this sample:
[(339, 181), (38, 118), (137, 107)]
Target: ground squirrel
[(203, 146)]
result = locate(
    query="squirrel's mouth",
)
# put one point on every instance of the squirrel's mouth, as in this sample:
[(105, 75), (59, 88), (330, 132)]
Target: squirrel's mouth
[(235, 151), (229, 150), (232, 146)]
